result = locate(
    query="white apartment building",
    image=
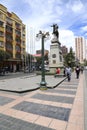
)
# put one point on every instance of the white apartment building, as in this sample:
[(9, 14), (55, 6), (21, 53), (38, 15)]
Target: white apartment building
[(80, 49)]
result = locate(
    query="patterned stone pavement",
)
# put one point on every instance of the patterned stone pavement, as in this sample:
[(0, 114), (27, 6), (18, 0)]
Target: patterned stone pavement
[(60, 108)]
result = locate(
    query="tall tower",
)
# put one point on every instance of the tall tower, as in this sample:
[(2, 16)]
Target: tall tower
[(56, 58), (80, 48)]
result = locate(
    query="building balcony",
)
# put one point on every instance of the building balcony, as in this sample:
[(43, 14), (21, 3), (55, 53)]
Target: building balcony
[(1, 44), (18, 28), (9, 40), (18, 43), (18, 36), (9, 32), (9, 23), (9, 49), (2, 35), (18, 51)]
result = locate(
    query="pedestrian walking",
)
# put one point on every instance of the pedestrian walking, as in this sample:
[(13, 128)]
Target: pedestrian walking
[(77, 71), (68, 73)]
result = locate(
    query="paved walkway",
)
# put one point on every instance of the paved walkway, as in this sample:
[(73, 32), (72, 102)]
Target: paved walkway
[(60, 108), (28, 83)]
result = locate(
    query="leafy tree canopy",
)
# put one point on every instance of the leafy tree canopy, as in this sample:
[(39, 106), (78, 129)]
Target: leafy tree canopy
[(69, 59)]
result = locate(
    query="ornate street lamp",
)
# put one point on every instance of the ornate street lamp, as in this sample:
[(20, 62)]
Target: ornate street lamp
[(43, 36)]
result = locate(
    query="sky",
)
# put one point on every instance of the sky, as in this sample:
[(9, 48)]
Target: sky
[(69, 15)]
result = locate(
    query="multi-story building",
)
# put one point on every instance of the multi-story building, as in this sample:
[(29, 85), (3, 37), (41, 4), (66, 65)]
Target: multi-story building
[(80, 49), (12, 38)]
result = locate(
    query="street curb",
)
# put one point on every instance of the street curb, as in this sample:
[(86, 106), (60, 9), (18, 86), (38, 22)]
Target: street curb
[(23, 91), (56, 84)]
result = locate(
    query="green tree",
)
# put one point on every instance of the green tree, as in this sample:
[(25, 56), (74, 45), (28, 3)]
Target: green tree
[(39, 61), (85, 62), (3, 57), (69, 59)]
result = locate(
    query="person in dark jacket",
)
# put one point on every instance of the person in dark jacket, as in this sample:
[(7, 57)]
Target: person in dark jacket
[(77, 72)]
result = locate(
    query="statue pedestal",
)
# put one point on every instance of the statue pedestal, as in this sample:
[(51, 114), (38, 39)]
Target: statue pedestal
[(56, 58)]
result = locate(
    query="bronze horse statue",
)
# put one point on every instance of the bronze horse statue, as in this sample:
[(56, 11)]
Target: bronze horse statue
[(55, 30)]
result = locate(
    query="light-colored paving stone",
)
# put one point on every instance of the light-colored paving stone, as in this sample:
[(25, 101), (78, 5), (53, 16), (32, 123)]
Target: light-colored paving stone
[(27, 83)]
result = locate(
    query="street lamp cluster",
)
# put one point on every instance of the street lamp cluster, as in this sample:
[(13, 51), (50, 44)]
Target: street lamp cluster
[(43, 36)]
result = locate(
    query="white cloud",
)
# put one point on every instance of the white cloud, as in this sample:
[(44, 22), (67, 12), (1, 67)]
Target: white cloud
[(77, 6), (84, 28), (66, 37)]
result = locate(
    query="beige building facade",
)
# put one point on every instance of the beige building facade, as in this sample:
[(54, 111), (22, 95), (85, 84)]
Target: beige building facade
[(12, 37)]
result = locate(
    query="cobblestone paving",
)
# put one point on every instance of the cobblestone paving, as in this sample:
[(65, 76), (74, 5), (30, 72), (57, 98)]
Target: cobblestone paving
[(44, 110), (39, 110), (10, 123), (5, 100)]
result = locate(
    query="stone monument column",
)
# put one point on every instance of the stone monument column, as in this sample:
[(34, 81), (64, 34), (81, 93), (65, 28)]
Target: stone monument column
[(56, 58)]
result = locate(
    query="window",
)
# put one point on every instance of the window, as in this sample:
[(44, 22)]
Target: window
[(1, 23), (17, 48), (1, 33)]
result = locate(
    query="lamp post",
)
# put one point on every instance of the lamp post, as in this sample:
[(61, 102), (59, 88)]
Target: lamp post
[(43, 36)]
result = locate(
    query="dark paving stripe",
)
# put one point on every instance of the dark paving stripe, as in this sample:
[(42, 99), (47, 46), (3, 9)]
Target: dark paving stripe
[(11, 123), (62, 91), (5, 100), (70, 83), (44, 110), (67, 87), (62, 99)]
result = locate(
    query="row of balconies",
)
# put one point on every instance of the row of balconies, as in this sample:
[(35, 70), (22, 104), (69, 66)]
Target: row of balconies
[(10, 40), (9, 47), (18, 51), (18, 27), (10, 24), (9, 30)]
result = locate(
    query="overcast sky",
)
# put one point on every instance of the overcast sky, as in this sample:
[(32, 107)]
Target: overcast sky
[(70, 15)]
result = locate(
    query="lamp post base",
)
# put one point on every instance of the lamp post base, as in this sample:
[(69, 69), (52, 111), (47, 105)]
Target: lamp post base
[(43, 85)]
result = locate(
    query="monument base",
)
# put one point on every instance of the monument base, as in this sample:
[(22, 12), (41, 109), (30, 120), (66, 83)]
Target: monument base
[(53, 69), (56, 58)]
